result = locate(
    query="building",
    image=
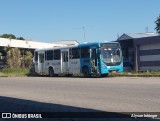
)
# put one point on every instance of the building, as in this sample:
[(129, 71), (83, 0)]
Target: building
[(28, 45), (25, 43), (32, 45), (141, 51), (66, 42)]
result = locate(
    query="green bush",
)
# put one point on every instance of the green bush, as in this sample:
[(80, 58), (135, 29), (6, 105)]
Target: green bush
[(14, 72), (136, 74)]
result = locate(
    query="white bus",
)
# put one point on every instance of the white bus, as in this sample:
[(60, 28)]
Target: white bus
[(89, 59)]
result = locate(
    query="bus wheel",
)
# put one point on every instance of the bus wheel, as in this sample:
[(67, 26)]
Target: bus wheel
[(86, 72), (69, 75), (104, 75), (51, 72)]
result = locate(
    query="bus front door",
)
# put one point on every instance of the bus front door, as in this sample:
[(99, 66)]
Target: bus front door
[(94, 60), (65, 68), (41, 62)]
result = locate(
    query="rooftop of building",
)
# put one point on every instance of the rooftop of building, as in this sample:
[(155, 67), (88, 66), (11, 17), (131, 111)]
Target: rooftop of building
[(127, 36)]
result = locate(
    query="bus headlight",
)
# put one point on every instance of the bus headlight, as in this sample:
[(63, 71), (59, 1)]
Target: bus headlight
[(108, 67)]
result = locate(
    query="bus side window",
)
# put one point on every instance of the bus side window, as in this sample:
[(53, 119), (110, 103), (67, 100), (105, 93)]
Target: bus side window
[(49, 55), (57, 55), (36, 56), (75, 53), (85, 52)]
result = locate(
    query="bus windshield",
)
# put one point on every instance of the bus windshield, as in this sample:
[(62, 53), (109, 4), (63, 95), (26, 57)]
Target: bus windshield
[(111, 53)]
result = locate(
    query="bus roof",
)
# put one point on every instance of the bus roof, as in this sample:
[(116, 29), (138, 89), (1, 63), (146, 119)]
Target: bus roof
[(94, 43), (58, 47), (80, 45)]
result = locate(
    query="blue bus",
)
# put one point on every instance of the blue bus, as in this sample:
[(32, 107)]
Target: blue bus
[(89, 59)]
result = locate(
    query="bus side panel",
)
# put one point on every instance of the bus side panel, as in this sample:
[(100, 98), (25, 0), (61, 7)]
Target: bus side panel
[(57, 66), (53, 63), (103, 68), (120, 67), (74, 66), (47, 65)]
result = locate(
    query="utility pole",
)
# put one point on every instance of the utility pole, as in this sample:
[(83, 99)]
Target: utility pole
[(84, 34), (146, 29)]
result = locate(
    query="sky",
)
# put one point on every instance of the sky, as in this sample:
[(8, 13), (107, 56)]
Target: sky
[(97, 20)]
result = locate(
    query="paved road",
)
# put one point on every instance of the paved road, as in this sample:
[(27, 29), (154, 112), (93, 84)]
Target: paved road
[(118, 94), (107, 94)]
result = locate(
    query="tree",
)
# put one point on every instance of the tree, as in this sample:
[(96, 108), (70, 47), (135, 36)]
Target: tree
[(0, 55), (23, 58), (6, 49), (10, 36), (157, 22), (20, 38), (14, 57), (28, 59)]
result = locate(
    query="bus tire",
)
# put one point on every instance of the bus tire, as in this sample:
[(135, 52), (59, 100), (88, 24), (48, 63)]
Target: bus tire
[(69, 75), (51, 72), (104, 75), (86, 72)]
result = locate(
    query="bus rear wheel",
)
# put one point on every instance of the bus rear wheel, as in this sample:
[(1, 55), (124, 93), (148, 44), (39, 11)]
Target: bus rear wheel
[(69, 75), (86, 72), (51, 72)]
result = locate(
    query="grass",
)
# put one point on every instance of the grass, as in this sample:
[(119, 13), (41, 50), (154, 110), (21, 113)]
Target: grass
[(136, 74), (14, 72), (22, 72)]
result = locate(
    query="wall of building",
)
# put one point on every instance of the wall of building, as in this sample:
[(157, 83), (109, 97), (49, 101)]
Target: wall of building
[(145, 50), (128, 54), (149, 56)]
